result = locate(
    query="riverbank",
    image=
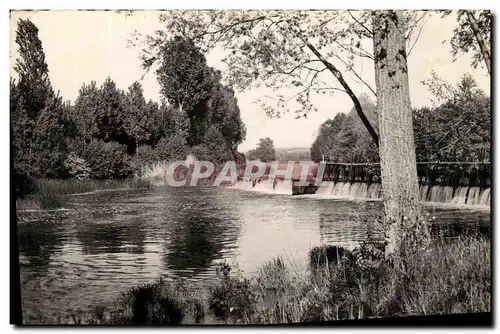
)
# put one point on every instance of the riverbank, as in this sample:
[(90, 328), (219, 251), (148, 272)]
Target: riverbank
[(450, 276), (49, 194)]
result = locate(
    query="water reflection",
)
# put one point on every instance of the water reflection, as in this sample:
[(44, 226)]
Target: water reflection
[(39, 242), (114, 236), (109, 242), (275, 226), (197, 231)]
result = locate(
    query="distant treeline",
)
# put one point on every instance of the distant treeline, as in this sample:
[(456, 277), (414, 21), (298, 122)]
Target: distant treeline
[(111, 133), (457, 129)]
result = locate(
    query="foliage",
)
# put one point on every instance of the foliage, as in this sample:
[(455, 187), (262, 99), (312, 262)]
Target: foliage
[(449, 276), (459, 128), (463, 40), (264, 152), (36, 112), (144, 155), (231, 297), (345, 139), (171, 148), (56, 140), (138, 114), (77, 167), (160, 302), (214, 147), (32, 69), (107, 160), (194, 89)]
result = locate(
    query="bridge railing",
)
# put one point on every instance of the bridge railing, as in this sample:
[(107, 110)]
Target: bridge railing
[(429, 172)]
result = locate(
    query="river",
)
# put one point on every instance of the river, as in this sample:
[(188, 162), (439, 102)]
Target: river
[(102, 243)]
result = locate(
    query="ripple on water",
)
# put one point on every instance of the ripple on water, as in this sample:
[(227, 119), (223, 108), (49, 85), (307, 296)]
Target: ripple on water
[(109, 242)]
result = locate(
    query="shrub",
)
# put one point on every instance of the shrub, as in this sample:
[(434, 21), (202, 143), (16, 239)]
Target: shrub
[(23, 185), (144, 156), (231, 297), (171, 148), (160, 302), (328, 254), (107, 160), (77, 167)]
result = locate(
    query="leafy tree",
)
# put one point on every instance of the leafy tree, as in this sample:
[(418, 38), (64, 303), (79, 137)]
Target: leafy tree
[(458, 129), (224, 113), (325, 146), (171, 148), (107, 159), (31, 67), (192, 88), (345, 139), (264, 152), (39, 118), (85, 111), (144, 155), (293, 50), (49, 139), (137, 114), (214, 147), (110, 115), (183, 76), (473, 34)]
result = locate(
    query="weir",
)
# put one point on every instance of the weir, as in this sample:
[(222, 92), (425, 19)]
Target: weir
[(362, 190), (451, 183)]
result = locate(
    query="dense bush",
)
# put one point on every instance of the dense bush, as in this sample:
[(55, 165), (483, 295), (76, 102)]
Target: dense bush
[(144, 156), (77, 167), (110, 133), (107, 160), (171, 148), (231, 298)]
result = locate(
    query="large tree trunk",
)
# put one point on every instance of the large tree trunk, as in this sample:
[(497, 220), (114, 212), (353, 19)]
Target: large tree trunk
[(397, 149), (480, 40)]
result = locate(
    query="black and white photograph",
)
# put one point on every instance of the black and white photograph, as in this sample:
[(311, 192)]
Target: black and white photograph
[(250, 167)]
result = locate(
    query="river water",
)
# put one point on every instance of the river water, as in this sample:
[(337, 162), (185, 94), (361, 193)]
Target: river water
[(103, 243)]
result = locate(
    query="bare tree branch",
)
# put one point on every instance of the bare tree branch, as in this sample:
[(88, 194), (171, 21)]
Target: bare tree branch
[(361, 24)]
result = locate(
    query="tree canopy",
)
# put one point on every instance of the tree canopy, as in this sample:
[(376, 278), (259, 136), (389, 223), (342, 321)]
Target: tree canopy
[(264, 152)]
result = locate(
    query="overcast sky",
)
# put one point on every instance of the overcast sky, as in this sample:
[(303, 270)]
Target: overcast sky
[(83, 46)]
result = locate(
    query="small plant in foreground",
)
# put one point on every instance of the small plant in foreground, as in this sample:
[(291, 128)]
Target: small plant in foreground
[(231, 297)]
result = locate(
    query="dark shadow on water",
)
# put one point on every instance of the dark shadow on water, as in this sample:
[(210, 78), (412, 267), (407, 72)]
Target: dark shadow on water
[(39, 241), (198, 232), (115, 237)]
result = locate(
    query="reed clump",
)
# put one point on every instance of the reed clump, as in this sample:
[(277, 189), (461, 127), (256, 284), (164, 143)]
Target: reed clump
[(449, 276)]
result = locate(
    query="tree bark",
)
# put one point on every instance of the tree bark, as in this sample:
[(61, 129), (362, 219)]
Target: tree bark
[(480, 40), (397, 148)]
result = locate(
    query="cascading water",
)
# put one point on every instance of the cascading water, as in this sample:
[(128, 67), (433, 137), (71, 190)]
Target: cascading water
[(424, 191), (484, 198), (265, 186), (374, 190), (460, 196), (325, 189), (358, 190), (474, 196)]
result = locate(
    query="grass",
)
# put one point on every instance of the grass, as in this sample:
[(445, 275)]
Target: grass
[(74, 186), (450, 276), (49, 193)]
